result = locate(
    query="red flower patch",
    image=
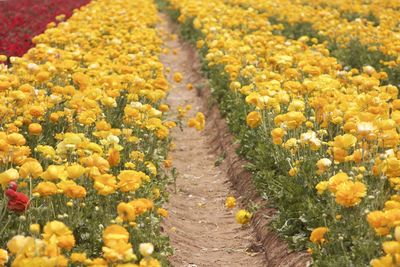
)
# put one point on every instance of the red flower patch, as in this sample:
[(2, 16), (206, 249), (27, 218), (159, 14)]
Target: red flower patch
[(24, 19)]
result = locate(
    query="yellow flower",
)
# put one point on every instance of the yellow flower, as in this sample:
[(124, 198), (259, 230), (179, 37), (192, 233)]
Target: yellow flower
[(36, 111), (292, 119), (54, 172), (136, 155), (152, 168), (46, 151), (323, 164), (149, 262), (170, 124), (130, 180), (122, 251), (78, 257), (114, 235), (197, 122), (75, 191), (243, 216), (46, 189), (318, 235), (364, 129), (34, 228), (146, 249), (7, 176), (35, 129), (103, 126), (321, 187), (87, 117), (379, 221), (336, 180), (293, 171), (105, 184), (130, 165), (163, 108), (277, 135), (3, 257), (392, 167), (81, 80), (178, 77), (31, 168), (57, 233), (162, 132), (75, 171), (16, 139), (344, 141), (126, 211), (95, 148), (156, 193), (391, 247), (17, 243), (384, 261), (97, 262), (167, 163), (113, 157), (253, 119), (162, 212), (141, 205), (71, 189), (349, 194), (230, 202), (234, 86)]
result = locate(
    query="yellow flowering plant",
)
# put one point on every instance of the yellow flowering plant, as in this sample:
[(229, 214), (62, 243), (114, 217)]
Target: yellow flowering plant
[(84, 139)]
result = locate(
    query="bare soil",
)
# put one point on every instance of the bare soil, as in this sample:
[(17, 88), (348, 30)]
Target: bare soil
[(202, 231)]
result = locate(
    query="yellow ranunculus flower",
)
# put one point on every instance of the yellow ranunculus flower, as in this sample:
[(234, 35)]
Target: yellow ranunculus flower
[(126, 211), (318, 235), (56, 232), (178, 77), (336, 180), (7, 176), (115, 234), (31, 168), (3, 257), (75, 171), (253, 119), (230, 202), (243, 216), (78, 257), (46, 189), (349, 194)]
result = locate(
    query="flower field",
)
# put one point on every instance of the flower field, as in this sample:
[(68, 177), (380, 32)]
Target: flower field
[(308, 88), (322, 136)]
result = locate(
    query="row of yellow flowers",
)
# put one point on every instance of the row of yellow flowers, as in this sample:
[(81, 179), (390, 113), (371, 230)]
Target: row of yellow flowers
[(373, 23), (84, 142), (332, 131)]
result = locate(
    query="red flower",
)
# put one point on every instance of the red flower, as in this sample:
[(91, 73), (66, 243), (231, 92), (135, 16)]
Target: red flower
[(17, 201), (20, 22)]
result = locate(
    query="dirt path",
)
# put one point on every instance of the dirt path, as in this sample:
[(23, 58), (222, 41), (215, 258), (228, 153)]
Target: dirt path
[(202, 231)]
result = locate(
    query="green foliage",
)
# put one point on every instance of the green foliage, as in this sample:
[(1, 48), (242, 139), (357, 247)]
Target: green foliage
[(295, 30), (356, 55), (351, 16)]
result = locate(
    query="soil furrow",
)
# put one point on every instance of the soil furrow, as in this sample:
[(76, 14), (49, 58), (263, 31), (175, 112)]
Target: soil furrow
[(202, 231)]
